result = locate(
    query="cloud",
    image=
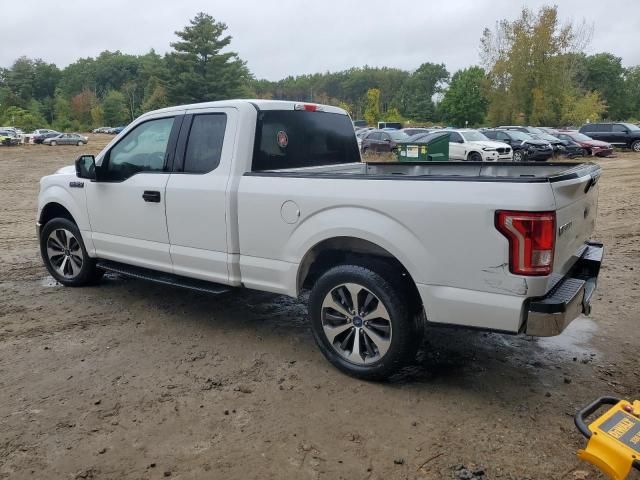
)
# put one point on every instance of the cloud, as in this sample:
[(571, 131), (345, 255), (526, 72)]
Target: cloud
[(292, 37)]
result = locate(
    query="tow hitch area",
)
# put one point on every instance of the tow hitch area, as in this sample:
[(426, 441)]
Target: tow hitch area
[(614, 437)]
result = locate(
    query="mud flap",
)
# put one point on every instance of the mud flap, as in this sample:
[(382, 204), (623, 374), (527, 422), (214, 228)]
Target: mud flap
[(614, 437)]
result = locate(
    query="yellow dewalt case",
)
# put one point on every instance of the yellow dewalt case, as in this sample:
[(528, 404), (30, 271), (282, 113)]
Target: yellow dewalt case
[(614, 437)]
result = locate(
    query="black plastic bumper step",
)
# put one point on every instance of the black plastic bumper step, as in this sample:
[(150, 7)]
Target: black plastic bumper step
[(162, 277)]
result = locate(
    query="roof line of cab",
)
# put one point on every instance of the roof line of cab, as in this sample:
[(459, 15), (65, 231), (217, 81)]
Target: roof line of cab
[(259, 104)]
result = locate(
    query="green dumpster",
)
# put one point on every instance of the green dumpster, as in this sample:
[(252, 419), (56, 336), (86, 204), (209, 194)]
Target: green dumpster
[(433, 147)]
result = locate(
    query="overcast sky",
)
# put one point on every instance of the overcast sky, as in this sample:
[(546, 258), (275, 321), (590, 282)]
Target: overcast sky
[(292, 37)]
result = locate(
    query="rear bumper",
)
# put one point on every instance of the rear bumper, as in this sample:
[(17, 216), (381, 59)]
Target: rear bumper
[(569, 297)]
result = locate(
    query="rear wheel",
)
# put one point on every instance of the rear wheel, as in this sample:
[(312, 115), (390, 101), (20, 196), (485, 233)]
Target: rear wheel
[(80, 144), (65, 256), (362, 323), (518, 156), (635, 146), (53, 143)]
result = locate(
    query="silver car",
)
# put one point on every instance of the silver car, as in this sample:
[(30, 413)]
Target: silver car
[(66, 139)]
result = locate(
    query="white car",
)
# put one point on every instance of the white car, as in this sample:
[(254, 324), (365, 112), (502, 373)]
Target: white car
[(272, 196), (472, 145)]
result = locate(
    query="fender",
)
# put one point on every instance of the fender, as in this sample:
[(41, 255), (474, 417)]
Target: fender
[(74, 200), (365, 224)]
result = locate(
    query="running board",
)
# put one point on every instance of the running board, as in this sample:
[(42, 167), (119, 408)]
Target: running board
[(162, 277)]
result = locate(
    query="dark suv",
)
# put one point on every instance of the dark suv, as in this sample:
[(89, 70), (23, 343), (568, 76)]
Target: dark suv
[(618, 134), (525, 147)]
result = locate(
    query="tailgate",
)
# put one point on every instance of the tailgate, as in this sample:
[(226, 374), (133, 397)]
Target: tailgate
[(576, 209)]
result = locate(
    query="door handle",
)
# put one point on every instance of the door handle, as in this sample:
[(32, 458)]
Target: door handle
[(151, 196)]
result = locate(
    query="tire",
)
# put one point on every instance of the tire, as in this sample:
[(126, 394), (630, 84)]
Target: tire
[(474, 157), (80, 144), (53, 144), (386, 342), (65, 256), (518, 156), (635, 146)]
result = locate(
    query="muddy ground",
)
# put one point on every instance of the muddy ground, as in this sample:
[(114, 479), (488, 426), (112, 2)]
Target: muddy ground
[(135, 380)]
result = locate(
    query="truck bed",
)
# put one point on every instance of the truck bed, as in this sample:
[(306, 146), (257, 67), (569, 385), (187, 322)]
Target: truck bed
[(470, 171)]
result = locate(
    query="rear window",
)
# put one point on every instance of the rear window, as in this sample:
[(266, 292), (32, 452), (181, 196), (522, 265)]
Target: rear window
[(300, 138)]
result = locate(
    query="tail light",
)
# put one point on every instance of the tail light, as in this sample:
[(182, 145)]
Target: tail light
[(532, 237)]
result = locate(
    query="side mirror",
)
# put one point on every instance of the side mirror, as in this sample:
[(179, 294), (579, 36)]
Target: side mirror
[(86, 167)]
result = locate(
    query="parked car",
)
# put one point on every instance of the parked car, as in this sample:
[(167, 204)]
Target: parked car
[(525, 147), (66, 139), (540, 134), (589, 145), (8, 138), (41, 137), (619, 134), (115, 130), (382, 248), (572, 148), (471, 145), (101, 130), (380, 141)]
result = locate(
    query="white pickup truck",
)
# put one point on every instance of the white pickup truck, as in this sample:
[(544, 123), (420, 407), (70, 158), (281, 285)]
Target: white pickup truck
[(273, 196)]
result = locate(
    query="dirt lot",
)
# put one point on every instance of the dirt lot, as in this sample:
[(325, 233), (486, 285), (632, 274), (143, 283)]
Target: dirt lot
[(135, 380)]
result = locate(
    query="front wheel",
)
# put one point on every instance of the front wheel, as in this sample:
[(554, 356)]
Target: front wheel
[(80, 144), (475, 157), (65, 255), (518, 156), (635, 146), (53, 144), (362, 322)]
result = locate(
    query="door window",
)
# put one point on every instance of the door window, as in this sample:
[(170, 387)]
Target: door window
[(619, 128), (141, 150), (455, 137), (204, 147)]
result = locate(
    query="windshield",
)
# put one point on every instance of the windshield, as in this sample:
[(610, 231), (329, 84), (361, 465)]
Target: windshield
[(398, 136), (473, 136), (535, 130), (520, 135), (631, 127)]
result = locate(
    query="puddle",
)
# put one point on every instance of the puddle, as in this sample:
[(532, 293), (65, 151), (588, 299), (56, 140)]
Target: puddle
[(574, 341), (48, 281)]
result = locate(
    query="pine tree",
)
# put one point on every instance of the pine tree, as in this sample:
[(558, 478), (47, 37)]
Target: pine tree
[(201, 71)]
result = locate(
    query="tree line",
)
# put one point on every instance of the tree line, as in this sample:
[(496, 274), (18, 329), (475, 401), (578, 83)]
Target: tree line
[(532, 70)]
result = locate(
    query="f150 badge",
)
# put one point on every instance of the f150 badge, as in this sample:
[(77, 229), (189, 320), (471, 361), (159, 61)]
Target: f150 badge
[(564, 228)]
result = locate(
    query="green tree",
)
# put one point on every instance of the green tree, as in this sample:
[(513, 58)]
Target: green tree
[(416, 96), (604, 73), (114, 107), (530, 65), (632, 92), (201, 71), (372, 107), (21, 118), (465, 101), (579, 109)]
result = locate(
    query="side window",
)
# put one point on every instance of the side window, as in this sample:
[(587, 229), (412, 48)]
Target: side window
[(455, 137), (375, 136), (204, 147), (502, 136), (141, 150), (588, 128), (385, 137), (603, 127), (617, 128)]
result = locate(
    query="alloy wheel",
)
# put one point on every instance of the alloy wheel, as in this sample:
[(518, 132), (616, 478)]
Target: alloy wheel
[(65, 253), (356, 324)]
